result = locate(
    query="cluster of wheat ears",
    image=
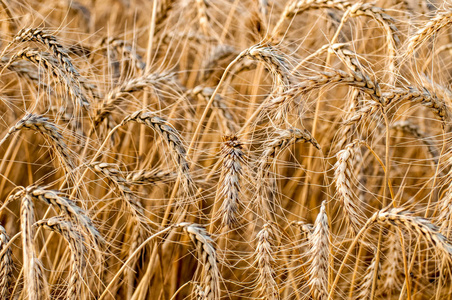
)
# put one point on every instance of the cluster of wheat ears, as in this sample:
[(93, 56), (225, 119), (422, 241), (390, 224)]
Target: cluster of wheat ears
[(225, 149)]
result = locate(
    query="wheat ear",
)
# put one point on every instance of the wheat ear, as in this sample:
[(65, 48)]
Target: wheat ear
[(404, 219), (343, 175), (390, 272), (218, 55), (203, 17), (123, 47), (75, 242), (114, 96), (35, 282), (299, 6), (45, 38), (365, 287), (6, 264), (168, 133), (362, 114), (71, 85), (208, 257), (319, 253), (440, 20), (415, 131), (149, 177), (225, 114), (277, 66), (112, 172), (68, 207), (337, 77), (284, 139), (264, 259), (60, 53), (163, 12), (422, 96), (47, 129), (23, 69), (233, 158)]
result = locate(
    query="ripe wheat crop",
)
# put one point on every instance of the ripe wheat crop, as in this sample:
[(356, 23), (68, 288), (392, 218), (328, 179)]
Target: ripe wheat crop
[(225, 149)]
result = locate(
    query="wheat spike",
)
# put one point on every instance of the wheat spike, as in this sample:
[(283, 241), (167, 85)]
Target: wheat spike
[(34, 279), (264, 259), (401, 218), (49, 130), (6, 264), (113, 172), (208, 257), (343, 175), (75, 242), (319, 253), (68, 207), (441, 19), (168, 133), (233, 158), (113, 97), (60, 53), (71, 85)]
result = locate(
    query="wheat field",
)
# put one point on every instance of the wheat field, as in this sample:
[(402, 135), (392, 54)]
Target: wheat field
[(225, 149)]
